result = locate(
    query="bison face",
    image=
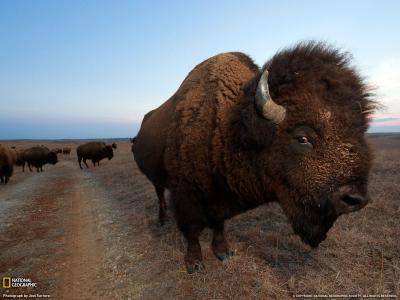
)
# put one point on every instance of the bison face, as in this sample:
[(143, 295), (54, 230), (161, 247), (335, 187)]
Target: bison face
[(19, 160), (52, 158), (317, 161), (109, 152), (319, 176)]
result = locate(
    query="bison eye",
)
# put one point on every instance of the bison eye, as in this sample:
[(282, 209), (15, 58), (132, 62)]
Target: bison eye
[(303, 140)]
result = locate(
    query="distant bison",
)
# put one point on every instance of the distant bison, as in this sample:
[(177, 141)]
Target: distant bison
[(14, 155), (20, 161), (95, 151), (56, 150), (37, 157), (7, 161), (114, 145), (132, 140), (17, 156), (233, 138), (66, 150)]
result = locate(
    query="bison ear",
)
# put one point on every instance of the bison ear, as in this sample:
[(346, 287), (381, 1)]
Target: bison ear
[(255, 133)]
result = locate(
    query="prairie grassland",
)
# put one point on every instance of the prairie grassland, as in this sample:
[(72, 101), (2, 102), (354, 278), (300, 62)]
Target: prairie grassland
[(361, 254)]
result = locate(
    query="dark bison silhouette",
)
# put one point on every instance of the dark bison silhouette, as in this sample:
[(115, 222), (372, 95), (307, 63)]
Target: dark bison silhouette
[(66, 150), (37, 157), (234, 137), (7, 160), (57, 150), (95, 151), (132, 140)]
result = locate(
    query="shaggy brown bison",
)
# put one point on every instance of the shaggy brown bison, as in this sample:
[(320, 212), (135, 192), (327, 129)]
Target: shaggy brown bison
[(37, 157), (66, 150), (234, 137), (7, 161), (114, 145), (95, 151)]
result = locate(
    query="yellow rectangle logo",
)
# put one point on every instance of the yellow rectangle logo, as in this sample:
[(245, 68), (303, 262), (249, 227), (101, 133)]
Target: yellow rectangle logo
[(6, 282)]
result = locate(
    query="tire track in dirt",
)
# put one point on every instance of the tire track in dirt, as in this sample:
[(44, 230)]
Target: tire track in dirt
[(12, 196), (52, 235)]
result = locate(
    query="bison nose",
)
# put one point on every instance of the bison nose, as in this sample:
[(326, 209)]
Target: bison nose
[(349, 200), (353, 199)]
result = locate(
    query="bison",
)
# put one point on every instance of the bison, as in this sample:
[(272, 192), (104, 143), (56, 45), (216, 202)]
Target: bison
[(14, 156), (19, 158), (7, 161), (37, 157), (114, 145), (56, 150), (94, 151), (66, 150), (132, 140), (235, 136)]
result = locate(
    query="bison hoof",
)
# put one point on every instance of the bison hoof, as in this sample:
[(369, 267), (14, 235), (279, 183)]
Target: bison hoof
[(194, 267), (224, 256)]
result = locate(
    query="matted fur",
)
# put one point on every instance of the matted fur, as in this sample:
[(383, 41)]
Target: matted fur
[(325, 70)]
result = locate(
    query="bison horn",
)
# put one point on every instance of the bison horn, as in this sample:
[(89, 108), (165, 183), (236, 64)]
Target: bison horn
[(264, 103)]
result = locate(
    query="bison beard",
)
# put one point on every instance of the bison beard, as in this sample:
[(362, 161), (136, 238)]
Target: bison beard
[(234, 137), (312, 223)]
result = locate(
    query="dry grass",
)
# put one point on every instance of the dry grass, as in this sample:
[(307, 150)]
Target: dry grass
[(143, 260)]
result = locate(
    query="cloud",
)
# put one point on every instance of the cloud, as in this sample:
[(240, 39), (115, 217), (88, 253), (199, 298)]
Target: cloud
[(386, 122), (385, 77)]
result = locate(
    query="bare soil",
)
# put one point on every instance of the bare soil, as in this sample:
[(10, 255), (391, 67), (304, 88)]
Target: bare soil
[(93, 234)]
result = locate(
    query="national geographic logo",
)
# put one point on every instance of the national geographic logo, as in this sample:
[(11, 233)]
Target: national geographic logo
[(6, 282), (9, 282)]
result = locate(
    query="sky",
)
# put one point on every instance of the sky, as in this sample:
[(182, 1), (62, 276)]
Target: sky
[(92, 69)]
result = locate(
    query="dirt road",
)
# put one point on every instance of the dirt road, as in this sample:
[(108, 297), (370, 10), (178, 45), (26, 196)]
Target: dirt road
[(50, 233)]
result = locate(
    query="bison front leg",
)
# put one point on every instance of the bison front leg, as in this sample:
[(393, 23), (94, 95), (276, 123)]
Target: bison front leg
[(84, 161), (191, 221), (29, 166), (219, 245), (193, 257), (79, 161)]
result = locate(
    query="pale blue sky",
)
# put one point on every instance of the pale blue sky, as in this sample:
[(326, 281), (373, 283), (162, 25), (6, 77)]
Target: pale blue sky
[(81, 69)]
